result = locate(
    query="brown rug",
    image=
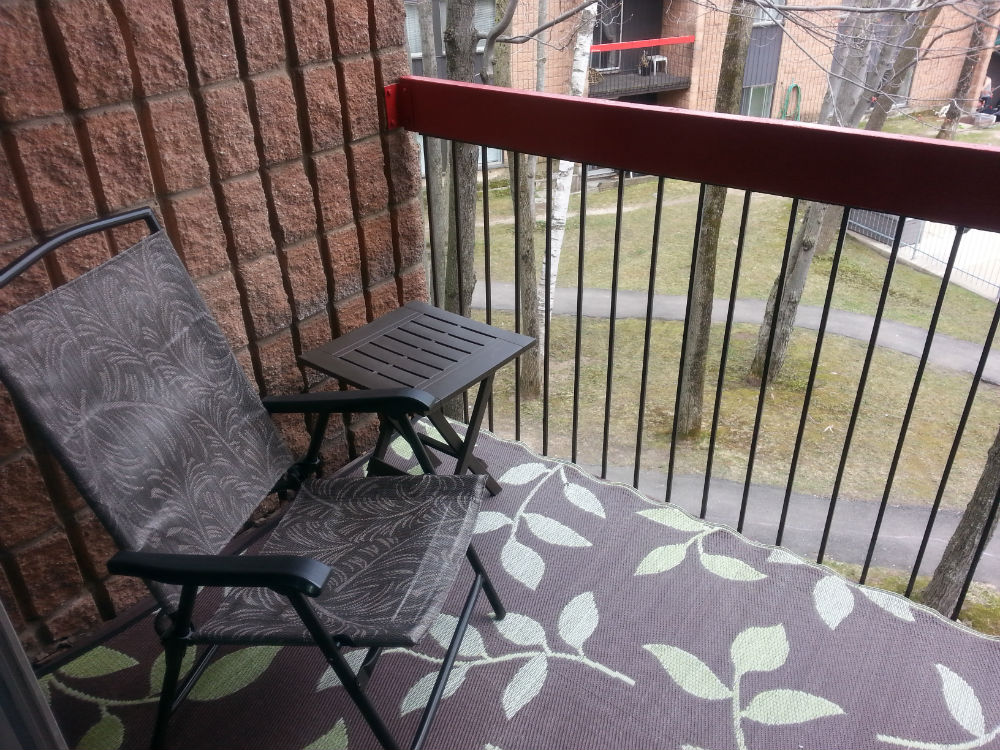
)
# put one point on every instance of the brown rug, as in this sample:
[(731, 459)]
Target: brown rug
[(631, 625)]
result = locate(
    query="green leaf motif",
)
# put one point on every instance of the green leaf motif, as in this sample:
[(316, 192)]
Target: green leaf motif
[(759, 649), (578, 620), (690, 673), (335, 739), (418, 695), (583, 499), (833, 600), (522, 474), (522, 563), (963, 705), (521, 630), (401, 448), (490, 520), (781, 707), (329, 678), (784, 557), (662, 559), (106, 734), (98, 662), (891, 603), (233, 672), (729, 568), (551, 531), (526, 683), (675, 519), (444, 628), (160, 666), (46, 688)]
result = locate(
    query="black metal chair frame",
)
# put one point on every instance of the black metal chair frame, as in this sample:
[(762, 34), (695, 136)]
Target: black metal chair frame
[(297, 578)]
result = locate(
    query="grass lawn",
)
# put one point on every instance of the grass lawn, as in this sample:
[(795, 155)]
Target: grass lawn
[(927, 124)]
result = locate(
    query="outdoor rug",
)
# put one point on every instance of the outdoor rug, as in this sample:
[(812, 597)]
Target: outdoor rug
[(630, 625)]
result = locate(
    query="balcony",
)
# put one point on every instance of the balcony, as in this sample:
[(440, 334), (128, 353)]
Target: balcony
[(637, 620), (616, 69)]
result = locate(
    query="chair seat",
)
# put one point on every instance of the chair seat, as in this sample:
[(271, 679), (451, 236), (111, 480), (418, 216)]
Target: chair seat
[(394, 545)]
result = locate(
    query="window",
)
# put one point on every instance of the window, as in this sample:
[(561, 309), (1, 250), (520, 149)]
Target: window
[(483, 17), (608, 30), (769, 16), (757, 101)]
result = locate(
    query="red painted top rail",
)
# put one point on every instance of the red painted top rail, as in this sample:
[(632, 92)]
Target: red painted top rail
[(610, 46), (953, 183)]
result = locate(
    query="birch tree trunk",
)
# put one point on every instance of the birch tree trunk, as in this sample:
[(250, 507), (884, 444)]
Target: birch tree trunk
[(727, 99), (436, 160), (460, 40), (564, 174), (946, 584)]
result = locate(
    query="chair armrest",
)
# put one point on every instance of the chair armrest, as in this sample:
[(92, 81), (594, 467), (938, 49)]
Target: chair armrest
[(282, 573), (394, 401)]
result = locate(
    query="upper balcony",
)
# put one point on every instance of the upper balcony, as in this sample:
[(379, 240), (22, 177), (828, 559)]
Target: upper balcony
[(644, 66)]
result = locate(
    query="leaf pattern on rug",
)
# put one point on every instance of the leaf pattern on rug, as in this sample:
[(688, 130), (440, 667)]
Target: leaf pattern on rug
[(833, 599)]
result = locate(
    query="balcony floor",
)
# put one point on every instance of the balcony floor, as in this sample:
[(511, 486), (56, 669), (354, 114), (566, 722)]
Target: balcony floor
[(631, 625)]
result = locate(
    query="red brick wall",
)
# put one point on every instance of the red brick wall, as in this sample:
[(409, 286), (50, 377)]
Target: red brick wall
[(253, 128)]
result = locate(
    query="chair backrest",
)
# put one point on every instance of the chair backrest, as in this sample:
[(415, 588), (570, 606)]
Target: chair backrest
[(128, 379)]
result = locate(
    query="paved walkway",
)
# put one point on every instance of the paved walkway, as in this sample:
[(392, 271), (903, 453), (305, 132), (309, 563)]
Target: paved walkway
[(854, 520), (946, 351)]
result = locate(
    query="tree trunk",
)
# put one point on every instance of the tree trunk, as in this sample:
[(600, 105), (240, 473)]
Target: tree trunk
[(436, 160), (727, 99), (964, 93), (460, 39), (946, 584)]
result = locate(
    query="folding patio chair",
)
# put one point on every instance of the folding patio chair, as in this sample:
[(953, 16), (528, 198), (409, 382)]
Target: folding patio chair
[(127, 378)]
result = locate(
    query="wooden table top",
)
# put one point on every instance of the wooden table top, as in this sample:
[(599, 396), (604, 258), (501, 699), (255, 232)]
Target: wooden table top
[(419, 346)]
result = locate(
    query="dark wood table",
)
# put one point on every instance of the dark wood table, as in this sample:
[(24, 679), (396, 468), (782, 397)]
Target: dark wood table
[(425, 347)]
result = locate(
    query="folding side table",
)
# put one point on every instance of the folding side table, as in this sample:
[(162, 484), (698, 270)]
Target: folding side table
[(424, 347)]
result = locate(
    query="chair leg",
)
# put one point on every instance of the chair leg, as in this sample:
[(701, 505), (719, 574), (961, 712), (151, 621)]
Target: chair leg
[(344, 673), (174, 649), (491, 593)]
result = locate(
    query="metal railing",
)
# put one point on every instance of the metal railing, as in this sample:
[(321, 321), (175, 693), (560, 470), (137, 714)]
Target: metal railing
[(607, 392), (645, 66)]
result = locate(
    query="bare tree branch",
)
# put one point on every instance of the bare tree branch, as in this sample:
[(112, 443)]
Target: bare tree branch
[(558, 19)]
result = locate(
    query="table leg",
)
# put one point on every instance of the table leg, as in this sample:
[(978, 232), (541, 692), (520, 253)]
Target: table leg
[(376, 464), (463, 448)]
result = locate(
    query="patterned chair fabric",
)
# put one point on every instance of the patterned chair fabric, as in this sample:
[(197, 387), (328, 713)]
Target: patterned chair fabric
[(133, 386)]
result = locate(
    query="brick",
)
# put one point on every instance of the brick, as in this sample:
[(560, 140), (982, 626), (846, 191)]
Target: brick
[(350, 314), (157, 46), (98, 543), (314, 332), (404, 165), (211, 40), (229, 129), (246, 214), (323, 105), (9, 602), (59, 188), (377, 260), (312, 31), (27, 84), (351, 23), (124, 237), (120, 157), (382, 299), (245, 359), (362, 107), (223, 300), (263, 34), (74, 619), (308, 279), (278, 363), (293, 202), (11, 435), (345, 262), (266, 298), (194, 225), (95, 51), (413, 286), (363, 434), (274, 101), (125, 591), (334, 189), (368, 165), (50, 573), (13, 222), (390, 23), (292, 428), (393, 65), (180, 161), (82, 255), (409, 225), (30, 284)]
